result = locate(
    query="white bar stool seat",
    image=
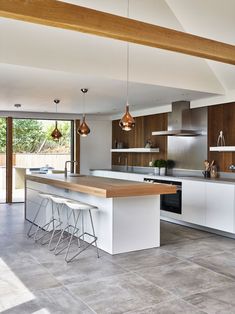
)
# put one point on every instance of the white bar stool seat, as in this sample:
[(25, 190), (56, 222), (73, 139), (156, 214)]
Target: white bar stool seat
[(77, 209)]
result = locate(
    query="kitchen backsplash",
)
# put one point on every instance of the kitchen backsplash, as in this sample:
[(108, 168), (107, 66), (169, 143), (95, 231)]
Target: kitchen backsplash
[(190, 152)]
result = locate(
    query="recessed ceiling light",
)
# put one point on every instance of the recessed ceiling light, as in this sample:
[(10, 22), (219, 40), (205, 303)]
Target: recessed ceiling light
[(17, 105)]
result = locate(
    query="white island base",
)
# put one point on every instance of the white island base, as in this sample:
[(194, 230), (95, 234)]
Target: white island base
[(122, 224)]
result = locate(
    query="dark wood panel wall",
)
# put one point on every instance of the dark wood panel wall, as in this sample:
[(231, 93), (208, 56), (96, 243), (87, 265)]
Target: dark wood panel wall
[(138, 137), (222, 118)]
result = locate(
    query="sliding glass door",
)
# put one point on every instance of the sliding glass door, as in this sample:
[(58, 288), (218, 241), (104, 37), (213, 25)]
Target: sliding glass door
[(34, 150), (2, 160), (26, 146)]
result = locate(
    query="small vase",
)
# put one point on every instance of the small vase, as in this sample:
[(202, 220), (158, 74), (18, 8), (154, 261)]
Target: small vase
[(162, 171)]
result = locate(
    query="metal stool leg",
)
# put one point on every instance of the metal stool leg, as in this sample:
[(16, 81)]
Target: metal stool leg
[(59, 208), (82, 236), (93, 230), (82, 226), (36, 216), (68, 226), (72, 235), (43, 228), (47, 225)]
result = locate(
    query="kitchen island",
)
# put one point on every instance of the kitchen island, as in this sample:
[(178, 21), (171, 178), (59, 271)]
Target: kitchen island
[(128, 215)]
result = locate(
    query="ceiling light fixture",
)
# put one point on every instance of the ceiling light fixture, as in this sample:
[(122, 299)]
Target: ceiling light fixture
[(83, 129), (56, 134), (127, 122)]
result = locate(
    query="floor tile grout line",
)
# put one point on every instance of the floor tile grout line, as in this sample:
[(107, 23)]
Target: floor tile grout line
[(160, 303), (202, 256), (131, 270), (161, 288), (194, 306), (201, 291), (66, 288), (208, 290), (78, 298)]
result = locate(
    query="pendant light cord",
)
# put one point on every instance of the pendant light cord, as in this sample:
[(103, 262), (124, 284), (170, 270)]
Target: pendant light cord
[(127, 75), (56, 101), (84, 91), (83, 105), (127, 61)]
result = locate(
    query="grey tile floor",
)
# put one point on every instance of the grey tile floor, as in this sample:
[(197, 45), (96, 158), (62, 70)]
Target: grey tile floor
[(193, 272)]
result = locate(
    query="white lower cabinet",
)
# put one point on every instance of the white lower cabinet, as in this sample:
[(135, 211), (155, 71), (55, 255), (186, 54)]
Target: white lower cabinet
[(208, 204), (220, 206), (193, 202)]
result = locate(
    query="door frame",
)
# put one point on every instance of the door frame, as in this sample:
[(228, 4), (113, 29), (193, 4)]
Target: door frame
[(75, 150)]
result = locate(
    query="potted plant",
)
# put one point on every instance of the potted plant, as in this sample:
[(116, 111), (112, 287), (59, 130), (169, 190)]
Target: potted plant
[(156, 168), (169, 164), (159, 167), (162, 167)]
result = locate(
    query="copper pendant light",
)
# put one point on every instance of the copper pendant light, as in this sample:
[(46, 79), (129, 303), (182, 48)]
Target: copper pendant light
[(127, 122), (56, 134), (84, 129)]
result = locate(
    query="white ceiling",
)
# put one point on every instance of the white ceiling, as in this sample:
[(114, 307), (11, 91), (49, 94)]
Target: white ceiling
[(39, 63)]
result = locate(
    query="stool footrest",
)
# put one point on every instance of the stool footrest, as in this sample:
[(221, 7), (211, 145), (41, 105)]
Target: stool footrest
[(66, 238), (81, 250)]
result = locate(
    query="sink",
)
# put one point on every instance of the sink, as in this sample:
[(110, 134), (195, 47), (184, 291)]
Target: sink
[(76, 175)]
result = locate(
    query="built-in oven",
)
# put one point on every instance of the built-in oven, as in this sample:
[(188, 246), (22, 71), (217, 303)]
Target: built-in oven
[(169, 202)]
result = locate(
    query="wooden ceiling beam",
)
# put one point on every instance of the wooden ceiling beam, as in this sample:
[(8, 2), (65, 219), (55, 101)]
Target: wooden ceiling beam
[(68, 16)]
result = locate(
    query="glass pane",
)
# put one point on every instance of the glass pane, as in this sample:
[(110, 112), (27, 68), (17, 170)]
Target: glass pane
[(2, 160), (34, 150)]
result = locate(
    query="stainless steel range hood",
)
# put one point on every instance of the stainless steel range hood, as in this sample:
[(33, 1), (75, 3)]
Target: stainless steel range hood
[(180, 121)]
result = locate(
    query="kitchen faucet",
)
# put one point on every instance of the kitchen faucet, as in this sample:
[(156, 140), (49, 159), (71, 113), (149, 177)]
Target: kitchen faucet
[(65, 167)]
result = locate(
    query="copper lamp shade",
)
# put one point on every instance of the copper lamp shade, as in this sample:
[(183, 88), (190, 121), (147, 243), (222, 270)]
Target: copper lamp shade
[(127, 122), (56, 134), (84, 129)]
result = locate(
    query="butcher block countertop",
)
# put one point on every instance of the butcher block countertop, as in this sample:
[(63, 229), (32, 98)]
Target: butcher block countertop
[(102, 187)]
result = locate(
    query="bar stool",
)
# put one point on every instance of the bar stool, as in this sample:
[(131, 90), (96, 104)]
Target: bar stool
[(65, 234), (77, 209), (59, 203), (45, 198), (54, 221)]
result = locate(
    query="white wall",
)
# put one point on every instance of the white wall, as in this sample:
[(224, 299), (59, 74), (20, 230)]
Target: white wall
[(95, 148)]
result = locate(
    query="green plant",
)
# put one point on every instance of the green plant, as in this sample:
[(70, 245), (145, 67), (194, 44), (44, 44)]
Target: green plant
[(159, 163), (170, 163), (162, 163), (155, 163)]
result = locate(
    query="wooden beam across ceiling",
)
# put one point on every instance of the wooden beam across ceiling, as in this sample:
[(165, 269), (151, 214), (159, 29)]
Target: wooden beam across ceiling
[(68, 16)]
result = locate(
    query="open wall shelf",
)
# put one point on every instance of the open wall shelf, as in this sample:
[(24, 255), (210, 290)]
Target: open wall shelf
[(135, 150), (222, 149)]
